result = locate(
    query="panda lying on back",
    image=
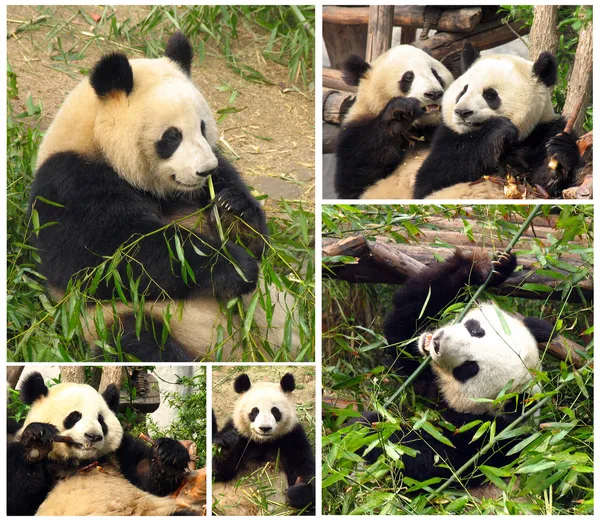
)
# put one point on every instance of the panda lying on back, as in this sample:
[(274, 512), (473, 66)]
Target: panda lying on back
[(476, 359), (71, 457), (389, 127), (125, 161), (498, 113), (264, 428)]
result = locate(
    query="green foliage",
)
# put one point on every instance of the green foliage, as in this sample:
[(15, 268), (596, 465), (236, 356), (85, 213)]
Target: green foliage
[(553, 472)]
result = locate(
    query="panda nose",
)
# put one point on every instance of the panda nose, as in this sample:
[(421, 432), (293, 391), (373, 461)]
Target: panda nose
[(93, 438), (434, 95), (266, 429), (436, 342), (463, 113)]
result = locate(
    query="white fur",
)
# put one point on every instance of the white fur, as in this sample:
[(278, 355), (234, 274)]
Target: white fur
[(264, 396), (525, 100), (502, 356), (63, 399)]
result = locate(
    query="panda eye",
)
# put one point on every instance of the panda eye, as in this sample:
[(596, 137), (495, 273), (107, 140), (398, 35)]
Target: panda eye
[(72, 419), (490, 94), (255, 410), (203, 128), (169, 142), (474, 328), (462, 93), (276, 413), (406, 81)]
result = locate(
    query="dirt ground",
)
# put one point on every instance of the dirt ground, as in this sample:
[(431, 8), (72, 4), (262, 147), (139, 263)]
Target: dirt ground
[(282, 166), (223, 395)]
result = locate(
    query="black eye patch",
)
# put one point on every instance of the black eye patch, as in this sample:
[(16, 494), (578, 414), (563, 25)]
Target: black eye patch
[(406, 81), (466, 371), (462, 93), (253, 414), (102, 424), (439, 78), (492, 98), (203, 128), (168, 143), (276, 413), (474, 328), (72, 419)]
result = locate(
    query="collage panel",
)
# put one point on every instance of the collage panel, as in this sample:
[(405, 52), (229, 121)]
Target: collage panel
[(264, 429), (457, 359), (106, 440), (457, 102), (161, 209)]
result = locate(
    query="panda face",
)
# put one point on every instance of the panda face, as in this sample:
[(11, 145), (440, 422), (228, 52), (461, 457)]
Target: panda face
[(81, 413), (498, 86), (403, 71), (265, 412), (478, 357), (160, 137)]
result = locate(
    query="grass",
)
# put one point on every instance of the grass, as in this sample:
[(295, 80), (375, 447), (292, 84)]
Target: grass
[(554, 470), (40, 329)]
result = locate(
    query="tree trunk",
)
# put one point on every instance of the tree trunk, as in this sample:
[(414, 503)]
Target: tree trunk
[(543, 35), (13, 373), (72, 374), (111, 374), (580, 83), (379, 35)]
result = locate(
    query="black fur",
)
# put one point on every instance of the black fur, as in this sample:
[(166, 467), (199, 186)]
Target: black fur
[(296, 457), (159, 469), (111, 397), (241, 384), (180, 51), (111, 74), (541, 330), (370, 149), (32, 388), (469, 56), (287, 383), (546, 69), (420, 300), (459, 158), (354, 68)]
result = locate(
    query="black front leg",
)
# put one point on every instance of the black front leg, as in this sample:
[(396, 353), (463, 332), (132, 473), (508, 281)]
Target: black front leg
[(299, 464), (464, 158), (370, 149), (229, 448)]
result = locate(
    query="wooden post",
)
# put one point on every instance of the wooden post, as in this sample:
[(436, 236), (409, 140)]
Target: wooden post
[(408, 35), (72, 374), (379, 35), (543, 35), (111, 374)]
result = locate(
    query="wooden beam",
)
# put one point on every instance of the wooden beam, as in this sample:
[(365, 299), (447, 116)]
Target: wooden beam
[(379, 32), (332, 79)]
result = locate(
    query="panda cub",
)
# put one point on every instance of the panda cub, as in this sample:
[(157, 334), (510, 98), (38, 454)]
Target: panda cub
[(123, 173), (71, 457), (389, 127), (498, 113), (473, 360), (264, 429)]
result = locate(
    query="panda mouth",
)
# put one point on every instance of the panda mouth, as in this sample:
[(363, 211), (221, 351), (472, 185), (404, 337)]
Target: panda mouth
[(194, 186), (431, 108)]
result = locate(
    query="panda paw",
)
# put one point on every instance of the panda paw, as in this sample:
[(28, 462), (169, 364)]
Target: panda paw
[(502, 267), (503, 133), (37, 440), (226, 441), (403, 110), (563, 147), (170, 456), (300, 495), (227, 281)]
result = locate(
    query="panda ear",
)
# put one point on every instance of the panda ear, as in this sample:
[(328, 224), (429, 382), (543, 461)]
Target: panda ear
[(354, 68), (287, 383), (111, 397), (241, 384), (180, 51), (112, 74), (33, 388), (540, 329), (469, 56), (546, 69)]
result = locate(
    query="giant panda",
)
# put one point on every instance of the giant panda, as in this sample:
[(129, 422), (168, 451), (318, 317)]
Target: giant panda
[(388, 128), (472, 362), (264, 430), (71, 457), (122, 181), (498, 113)]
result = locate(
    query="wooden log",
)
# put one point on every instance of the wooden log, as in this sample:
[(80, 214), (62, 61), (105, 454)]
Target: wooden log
[(111, 374), (335, 105), (464, 19), (343, 40), (72, 374), (395, 260), (330, 134), (353, 246), (379, 32), (408, 35), (543, 35), (332, 79), (484, 36), (13, 373)]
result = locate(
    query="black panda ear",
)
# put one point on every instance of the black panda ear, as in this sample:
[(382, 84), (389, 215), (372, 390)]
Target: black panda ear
[(241, 384), (111, 397), (288, 384), (469, 56), (354, 68), (112, 74), (540, 329), (180, 51), (546, 69), (33, 388)]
